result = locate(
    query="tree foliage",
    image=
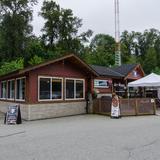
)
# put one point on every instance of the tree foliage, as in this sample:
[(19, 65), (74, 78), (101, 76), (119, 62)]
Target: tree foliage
[(61, 34), (35, 60), (142, 48), (102, 48), (60, 31), (15, 28), (11, 66)]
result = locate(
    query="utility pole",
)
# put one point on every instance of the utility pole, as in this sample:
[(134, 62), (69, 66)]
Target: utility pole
[(117, 35)]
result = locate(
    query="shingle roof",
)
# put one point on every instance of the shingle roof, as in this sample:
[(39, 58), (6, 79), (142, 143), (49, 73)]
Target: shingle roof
[(104, 71), (124, 69), (119, 72)]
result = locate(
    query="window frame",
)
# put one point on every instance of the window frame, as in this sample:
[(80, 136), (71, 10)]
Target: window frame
[(22, 100), (2, 89), (10, 80), (75, 79), (50, 77)]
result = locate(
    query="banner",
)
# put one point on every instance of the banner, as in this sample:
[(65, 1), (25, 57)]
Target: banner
[(115, 109)]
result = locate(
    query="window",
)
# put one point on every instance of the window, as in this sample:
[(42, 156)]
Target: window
[(56, 88), (3, 89), (79, 89), (50, 88), (45, 86), (69, 89), (20, 89), (11, 89), (74, 89)]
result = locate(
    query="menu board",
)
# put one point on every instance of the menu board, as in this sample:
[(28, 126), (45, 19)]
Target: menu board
[(13, 115)]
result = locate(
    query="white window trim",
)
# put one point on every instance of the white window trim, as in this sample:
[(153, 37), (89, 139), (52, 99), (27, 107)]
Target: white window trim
[(1, 90), (75, 79), (45, 100), (20, 100), (11, 99)]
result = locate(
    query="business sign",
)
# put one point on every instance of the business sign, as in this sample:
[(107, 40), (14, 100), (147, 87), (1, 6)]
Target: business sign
[(13, 115), (101, 83)]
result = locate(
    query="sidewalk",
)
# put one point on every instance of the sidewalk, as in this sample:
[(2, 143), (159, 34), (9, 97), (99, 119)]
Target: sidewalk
[(1, 117), (158, 111), (87, 137)]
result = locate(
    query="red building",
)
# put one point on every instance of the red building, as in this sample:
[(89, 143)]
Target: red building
[(55, 88), (118, 77), (52, 89)]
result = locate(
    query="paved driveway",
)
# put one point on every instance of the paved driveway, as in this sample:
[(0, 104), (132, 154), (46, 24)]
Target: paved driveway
[(88, 137)]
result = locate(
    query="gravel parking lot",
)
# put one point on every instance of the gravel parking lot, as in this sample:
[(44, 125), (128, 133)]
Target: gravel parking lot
[(87, 137)]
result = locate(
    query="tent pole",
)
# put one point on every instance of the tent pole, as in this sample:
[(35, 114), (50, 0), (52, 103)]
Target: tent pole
[(144, 92)]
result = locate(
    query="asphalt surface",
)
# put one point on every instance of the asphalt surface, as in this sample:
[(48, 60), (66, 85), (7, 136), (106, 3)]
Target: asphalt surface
[(87, 137)]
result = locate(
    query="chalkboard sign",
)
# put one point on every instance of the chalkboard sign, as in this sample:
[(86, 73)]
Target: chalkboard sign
[(13, 115)]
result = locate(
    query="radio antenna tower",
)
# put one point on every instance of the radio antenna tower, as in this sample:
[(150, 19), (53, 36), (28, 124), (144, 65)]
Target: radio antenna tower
[(117, 35)]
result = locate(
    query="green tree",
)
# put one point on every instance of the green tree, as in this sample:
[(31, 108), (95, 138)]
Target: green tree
[(60, 31), (142, 48), (34, 48), (35, 60), (50, 11), (157, 70), (102, 50), (15, 28), (150, 61), (11, 66), (130, 45)]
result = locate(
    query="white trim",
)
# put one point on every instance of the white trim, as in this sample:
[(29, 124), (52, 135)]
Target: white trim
[(75, 79), (11, 79), (20, 100), (11, 99), (39, 88), (60, 78), (21, 77), (3, 98), (50, 77)]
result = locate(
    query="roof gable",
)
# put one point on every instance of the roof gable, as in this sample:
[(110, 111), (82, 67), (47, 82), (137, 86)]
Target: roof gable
[(73, 58), (117, 72), (124, 69)]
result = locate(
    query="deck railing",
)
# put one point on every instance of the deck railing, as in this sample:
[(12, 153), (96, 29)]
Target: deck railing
[(128, 107)]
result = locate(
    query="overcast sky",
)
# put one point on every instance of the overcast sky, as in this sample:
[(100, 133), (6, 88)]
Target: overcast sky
[(98, 15)]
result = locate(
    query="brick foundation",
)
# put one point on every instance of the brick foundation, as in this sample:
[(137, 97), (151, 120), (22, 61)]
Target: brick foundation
[(43, 111)]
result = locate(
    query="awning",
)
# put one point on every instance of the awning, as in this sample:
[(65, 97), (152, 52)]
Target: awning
[(151, 80)]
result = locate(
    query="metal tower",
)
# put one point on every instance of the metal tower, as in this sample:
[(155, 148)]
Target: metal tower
[(117, 35)]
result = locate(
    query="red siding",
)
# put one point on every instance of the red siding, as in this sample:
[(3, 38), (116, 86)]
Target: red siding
[(139, 75), (59, 69)]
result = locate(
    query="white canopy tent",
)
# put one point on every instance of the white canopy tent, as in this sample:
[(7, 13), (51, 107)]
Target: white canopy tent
[(151, 80)]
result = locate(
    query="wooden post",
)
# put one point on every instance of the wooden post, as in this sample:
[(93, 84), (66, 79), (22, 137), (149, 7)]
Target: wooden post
[(99, 103), (136, 107), (154, 107), (126, 91), (144, 91)]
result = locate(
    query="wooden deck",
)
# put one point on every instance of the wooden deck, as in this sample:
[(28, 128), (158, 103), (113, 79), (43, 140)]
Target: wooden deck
[(128, 107)]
